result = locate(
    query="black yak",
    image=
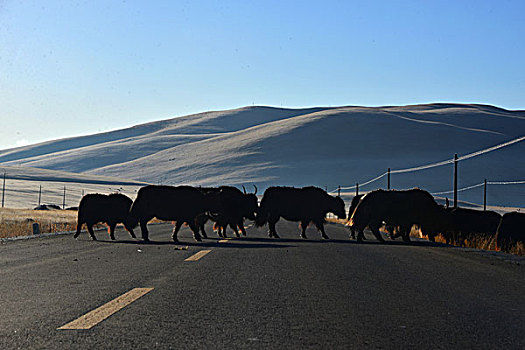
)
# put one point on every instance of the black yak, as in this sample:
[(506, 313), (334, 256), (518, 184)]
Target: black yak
[(307, 204), (511, 230), (111, 209), (401, 209), (233, 207), (181, 204), (469, 224)]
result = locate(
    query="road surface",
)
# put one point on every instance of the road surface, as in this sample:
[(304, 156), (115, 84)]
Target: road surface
[(256, 292)]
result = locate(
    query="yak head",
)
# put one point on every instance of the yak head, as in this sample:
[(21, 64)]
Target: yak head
[(130, 222), (338, 207), (438, 221), (250, 204)]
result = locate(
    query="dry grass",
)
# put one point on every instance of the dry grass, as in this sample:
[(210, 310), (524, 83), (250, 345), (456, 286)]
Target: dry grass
[(476, 242), (19, 222)]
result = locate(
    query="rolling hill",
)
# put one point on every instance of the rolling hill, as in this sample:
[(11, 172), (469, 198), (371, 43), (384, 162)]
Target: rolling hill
[(326, 147)]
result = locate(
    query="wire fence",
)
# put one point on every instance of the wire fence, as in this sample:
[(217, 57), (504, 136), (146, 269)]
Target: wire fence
[(454, 160), (55, 194)]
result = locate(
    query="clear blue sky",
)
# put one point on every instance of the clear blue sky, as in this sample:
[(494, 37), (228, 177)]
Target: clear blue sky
[(78, 67)]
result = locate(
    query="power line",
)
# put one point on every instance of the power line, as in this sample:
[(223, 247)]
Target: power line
[(440, 163)]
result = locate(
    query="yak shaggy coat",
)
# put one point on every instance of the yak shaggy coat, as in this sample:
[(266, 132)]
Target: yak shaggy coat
[(111, 209), (180, 204), (307, 204), (397, 208)]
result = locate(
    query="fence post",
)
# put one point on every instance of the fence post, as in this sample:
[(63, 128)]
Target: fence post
[(357, 189), (388, 179), (3, 191), (64, 199), (455, 180), (36, 228), (485, 195)]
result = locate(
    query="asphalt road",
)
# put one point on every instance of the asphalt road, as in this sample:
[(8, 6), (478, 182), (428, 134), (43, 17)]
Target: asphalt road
[(257, 292)]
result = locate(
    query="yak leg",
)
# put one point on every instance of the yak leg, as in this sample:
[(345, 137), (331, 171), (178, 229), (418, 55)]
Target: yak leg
[(112, 230), (458, 238), (144, 230), (390, 229), (79, 227), (201, 220), (271, 227), (203, 231), (234, 228), (352, 232), (405, 232), (320, 228), (240, 225), (132, 233), (430, 235), (221, 230), (360, 235), (304, 225), (90, 230), (195, 229), (374, 227), (176, 229)]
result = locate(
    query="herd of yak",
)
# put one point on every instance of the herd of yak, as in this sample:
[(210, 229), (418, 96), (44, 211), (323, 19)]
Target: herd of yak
[(228, 206)]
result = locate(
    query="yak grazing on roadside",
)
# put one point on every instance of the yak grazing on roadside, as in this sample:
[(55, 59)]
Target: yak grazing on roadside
[(233, 206), (181, 204), (511, 230), (468, 224), (111, 209), (401, 209), (307, 204)]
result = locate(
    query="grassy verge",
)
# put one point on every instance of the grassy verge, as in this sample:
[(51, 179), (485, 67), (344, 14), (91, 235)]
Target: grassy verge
[(475, 242), (482, 243), (19, 222)]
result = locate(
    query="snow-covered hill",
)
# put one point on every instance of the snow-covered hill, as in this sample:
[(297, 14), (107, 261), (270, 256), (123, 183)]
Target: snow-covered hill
[(326, 147)]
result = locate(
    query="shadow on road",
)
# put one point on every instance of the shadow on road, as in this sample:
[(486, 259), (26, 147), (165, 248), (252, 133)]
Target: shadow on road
[(209, 243), (266, 242)]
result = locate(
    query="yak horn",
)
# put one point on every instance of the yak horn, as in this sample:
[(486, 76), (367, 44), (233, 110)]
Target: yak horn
[(255, 190), (244, 189)]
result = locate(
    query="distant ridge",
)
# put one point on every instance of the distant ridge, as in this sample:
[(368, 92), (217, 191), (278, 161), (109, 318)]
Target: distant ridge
[(324, 146)]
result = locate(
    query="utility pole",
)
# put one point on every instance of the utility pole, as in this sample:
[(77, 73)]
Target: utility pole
[(39, 195), (64, 199), (339, 191), (388, 180), (485, 195), (3, 191), (455, 180), (357, 189)]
